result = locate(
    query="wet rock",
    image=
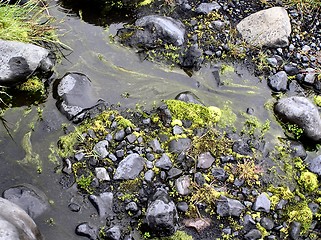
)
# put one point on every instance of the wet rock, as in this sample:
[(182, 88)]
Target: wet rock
[(229, 207), (188, 97), (270, 27), (278, 82), (291, 69), (153, 28), (130, 167), (16, 224), (113, 233), (120, 135), (29, 198), (103, 203), (205, 160), (179, 145), (295, 229), (102, 174), (314, 165), (242, 147), (164, 162), (86, 230), (300, 111), (193, 58), (206, 8), (101, 148), (74, 207), (161, 214), (262, 203), (131, 207), (182, 185), (267, 223), (75, 96), (18, 61), (254, 234), (297, 150)]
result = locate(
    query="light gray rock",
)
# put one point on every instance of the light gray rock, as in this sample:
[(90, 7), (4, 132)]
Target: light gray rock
[(254, 234), (29, 198), (101, 148), (229, 207), (130, 167), (161, 214), (302, 112), (18, 61), (205, 160), (262, 203), (103, 203), (270, 27), (182, 185), (206, 8), (102, 174), (113, 233), (164, 162), (278, 82), (86, 230), (179, 145), (155, 145), (314, 165), (16, 222)]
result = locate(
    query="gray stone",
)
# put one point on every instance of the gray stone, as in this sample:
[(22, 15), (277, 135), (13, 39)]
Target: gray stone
[(291, 69), (219, 174), (101, 148), (103, 203), (177, 130), (295, 229), (206, 8), (155, 28), (262, 203), (131, 138), (182, 206), (278, 82), (130, 167), (314, 165), (205, 160), (29, 198), (164, 162), (254, 234), (113, 233), (300, 111), (182, 185), (179, 145), (161, 214), (16, 224), (309, 76), (149, 175), (132, 207), (188, 97), (174, 172), (155, 145), (120, 135), (270, 27), (86, 230), (18, 61), (229, 207), (102, 174), (267, 223)]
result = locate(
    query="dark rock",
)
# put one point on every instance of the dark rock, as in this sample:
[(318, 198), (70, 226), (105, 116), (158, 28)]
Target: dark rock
[(314, 207), (254, 234), (146, 121), (248, 222), (132, 207), (161, 214), (295, 229), (229, 207), (314, 165), (75, 96), (29, 198), (174, 172), (262, 203), (267, 223), (120, 153), (278, 82), (67, 169), (74, 207), (113, 233), (182, 185), (101, 148), (242, 147), (179, 145), (205, 160), (298, 150), (165, 115), (164, 162), (182, 206), (16, 224), (199, 179), (206, 8), (20, 60), (103, 203), (130, 167), (219, 174), (193, 58), (300, 111), (86, 230), (120, 135), (238, 182), (291, 69)]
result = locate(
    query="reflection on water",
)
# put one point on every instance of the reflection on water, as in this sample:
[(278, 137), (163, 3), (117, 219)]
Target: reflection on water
[(118, 76)]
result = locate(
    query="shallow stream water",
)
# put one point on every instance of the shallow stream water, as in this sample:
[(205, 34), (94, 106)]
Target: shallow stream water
[(118, 76)]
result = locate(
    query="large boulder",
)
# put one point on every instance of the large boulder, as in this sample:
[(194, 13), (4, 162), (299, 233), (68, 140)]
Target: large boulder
[(303, 113), (75, 96), (154, 31), (270, 27), (18, 61), (161, 214), (16, 224)]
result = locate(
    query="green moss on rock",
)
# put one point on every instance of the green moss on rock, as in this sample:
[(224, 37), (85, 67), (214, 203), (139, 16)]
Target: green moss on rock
[(308, 181)]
